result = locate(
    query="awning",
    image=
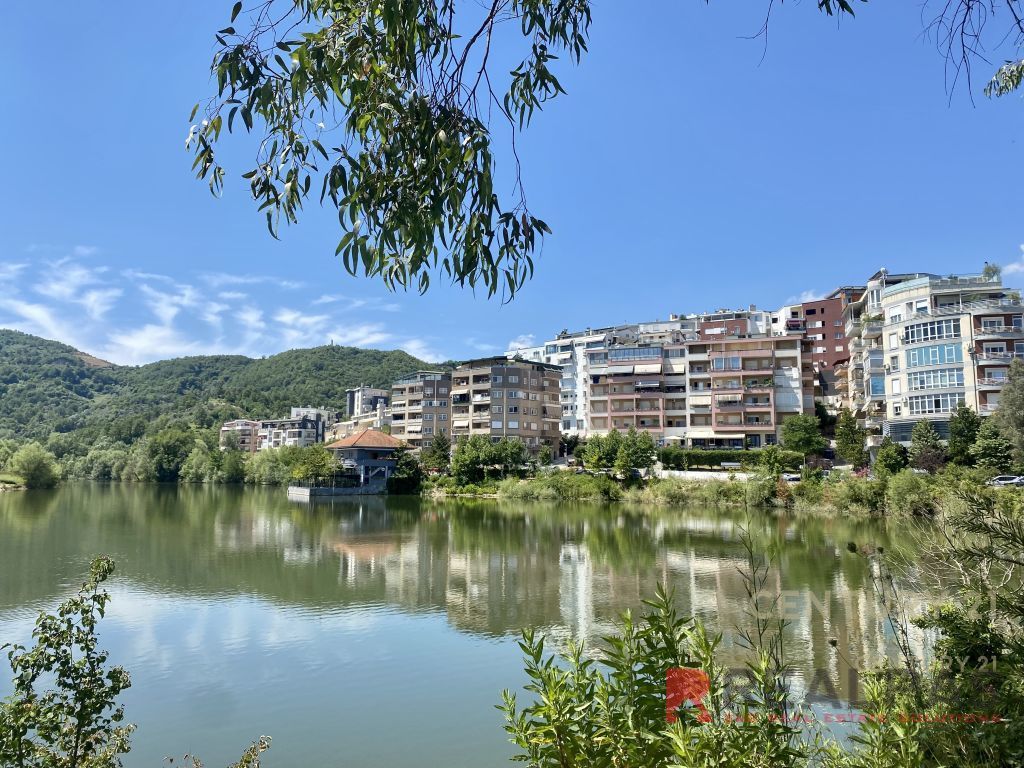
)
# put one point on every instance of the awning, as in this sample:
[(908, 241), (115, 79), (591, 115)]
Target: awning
[(649, 368), (461, 424), (411, 428), (613, 369)]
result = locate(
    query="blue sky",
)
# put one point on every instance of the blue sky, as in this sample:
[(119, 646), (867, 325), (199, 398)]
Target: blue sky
[(681, 173)]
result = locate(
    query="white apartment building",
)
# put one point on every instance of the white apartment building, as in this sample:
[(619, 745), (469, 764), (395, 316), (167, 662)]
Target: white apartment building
[(922, 343)]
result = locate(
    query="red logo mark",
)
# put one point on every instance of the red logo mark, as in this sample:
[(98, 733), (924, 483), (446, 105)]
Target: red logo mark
[(685, 685)]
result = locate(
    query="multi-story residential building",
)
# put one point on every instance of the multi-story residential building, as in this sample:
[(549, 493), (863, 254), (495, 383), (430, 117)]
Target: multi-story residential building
[(378, 419), (362, 401), (420, 407), (507, 397), (301, 431), (243, 432), (718, 379), (923, 343), (325, 415)]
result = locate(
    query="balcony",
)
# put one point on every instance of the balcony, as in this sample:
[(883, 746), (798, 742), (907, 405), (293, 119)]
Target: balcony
[(998, 331), (992, 383), (999, 356), (872, 329)]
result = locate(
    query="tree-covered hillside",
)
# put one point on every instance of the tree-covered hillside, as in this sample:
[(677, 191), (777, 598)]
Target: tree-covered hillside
[(47, 387)]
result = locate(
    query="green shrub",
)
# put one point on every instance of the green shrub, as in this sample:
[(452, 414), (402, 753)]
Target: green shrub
[(674, 457), (908, 493), (761, 490), (809, 491), (858, 494)]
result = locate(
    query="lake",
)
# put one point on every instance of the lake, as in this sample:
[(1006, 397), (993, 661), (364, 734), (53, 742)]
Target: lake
[(381, 631)]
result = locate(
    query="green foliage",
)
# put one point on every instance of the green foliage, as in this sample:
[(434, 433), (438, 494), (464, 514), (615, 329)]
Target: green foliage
[(544, 455), (469, 461), (675, 457), (963, 431), (909, 494), (273, 466), (36, 466), (7, 449), (316, 464), (891, 458), (78, 721), (677, 491), (477, 458), (858, 495), (802, 433), (438, 455), (926, 449), (602, 450), (408, 475), (561, 486), (771, 461), (407, 161), (992, 450), (761, 489), (202, 465), (850, 439), (636, 452), (1010, 411), (47, 387), (1007, 79)]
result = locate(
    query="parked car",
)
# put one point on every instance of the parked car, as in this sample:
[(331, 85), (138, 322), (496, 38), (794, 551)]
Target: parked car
[(791, 477), (1004, 480)]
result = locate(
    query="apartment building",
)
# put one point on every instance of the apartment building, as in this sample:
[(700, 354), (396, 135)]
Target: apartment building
[(923, 343), (714, 380), (325, 415), (242, 432), (378, 419), (420, 407), (507, 397), (362, 401), (300, 431)]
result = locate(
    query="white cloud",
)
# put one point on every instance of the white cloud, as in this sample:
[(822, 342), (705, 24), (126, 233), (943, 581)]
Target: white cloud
[(520, 341), (220, 279), (805, 296), (167, 304), (152, 342), (84, 250), (9, 271), (252, 319), (351, 303), (423, 350), (100, 301), (1016, 267), (66, 278), (37, 319), (232, 295)]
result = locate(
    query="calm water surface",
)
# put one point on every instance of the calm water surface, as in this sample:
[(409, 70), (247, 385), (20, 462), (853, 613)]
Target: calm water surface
[(380, 632)]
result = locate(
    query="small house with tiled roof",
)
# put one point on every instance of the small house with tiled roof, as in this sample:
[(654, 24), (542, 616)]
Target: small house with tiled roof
[(371, 454)]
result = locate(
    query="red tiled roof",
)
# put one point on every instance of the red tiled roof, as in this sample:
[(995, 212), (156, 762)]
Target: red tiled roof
[(368, 438)]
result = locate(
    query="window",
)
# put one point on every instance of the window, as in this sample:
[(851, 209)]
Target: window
[(897, 409), (513, 409), (894, 363), (496, 409), (996, 349), (937, 354), (941, 378), (838, 335), (942, 403), (513, 379), (442, 390), (877, 385), (933, 329), (513, 394), (812, 312), (895, 386), (840, 348), (894, 340), (428, 430), (496, 379), (991, 323), (634, 353), (496, 424), (428, 417), (513, 425)]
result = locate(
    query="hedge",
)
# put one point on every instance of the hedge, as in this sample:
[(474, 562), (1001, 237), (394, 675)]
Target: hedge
[(673, 457)]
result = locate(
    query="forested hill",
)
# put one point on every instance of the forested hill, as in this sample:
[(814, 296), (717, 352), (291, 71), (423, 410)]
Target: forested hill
[(47, 387)]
